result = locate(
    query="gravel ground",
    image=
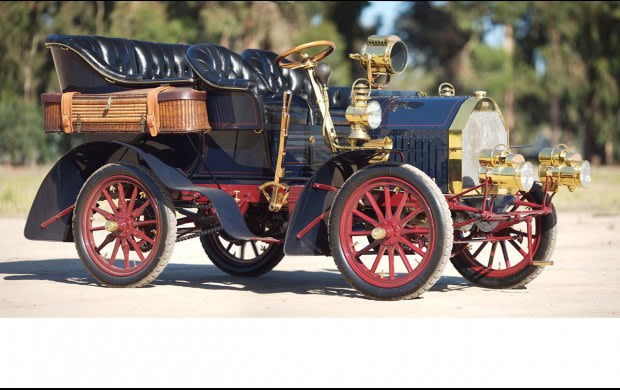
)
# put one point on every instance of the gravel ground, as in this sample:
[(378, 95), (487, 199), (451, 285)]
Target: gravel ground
[(44, 279)]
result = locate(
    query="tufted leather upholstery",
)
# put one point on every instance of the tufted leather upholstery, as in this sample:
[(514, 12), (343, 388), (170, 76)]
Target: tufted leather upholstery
[(162, 61), (128, 60), (223, 68), (278, 79)]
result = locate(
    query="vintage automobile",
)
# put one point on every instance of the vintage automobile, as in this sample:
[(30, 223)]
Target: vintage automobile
[(258, 157)]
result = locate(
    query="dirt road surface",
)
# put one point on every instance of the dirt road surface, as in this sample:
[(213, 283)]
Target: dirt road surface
[(44, 279)]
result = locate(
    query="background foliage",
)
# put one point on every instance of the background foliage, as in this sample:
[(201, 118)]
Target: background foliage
[(555, 71)]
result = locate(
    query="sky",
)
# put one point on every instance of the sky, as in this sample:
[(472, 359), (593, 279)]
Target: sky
[(388, 11)]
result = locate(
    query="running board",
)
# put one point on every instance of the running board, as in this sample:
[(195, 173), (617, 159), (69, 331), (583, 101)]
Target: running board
[(540, 263)]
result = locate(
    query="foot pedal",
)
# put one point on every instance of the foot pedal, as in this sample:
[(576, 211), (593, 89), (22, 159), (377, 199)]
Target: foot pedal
[(542, 263)]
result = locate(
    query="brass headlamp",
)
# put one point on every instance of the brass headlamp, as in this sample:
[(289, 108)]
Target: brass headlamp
[(505, 169), (559, 167), (362, 113), (382, 55)]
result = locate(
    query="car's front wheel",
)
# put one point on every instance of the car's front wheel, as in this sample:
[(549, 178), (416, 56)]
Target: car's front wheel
[(390, 232)]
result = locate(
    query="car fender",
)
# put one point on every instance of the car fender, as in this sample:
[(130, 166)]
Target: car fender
[(61, 186), (303, 238)]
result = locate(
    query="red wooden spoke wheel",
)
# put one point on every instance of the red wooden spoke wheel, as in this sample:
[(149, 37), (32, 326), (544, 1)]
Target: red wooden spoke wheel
[(124, 225), (388, 232), (504, 258)]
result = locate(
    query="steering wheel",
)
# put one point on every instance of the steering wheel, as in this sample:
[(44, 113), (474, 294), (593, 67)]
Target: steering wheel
[(305, 58)]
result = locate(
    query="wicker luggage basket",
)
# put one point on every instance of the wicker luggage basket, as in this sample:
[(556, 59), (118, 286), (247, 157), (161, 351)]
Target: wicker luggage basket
[(152, 110)]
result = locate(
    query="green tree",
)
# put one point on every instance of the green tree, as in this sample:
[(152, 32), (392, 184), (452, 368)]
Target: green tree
[(556, 68), (145, 20), (28, 69)]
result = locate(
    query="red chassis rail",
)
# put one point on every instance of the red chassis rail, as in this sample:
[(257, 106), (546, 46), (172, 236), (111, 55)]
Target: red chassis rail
[(244, 194), (489, 216)]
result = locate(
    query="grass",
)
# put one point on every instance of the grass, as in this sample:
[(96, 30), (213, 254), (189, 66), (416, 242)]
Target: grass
[(18, 187), (601, 197)]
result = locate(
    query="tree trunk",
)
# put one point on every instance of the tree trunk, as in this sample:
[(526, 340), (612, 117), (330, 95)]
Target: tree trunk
[(28, 66), (554, 98), (99, 17), (589, 136), (556, 118), (609, 151), (509, 95)]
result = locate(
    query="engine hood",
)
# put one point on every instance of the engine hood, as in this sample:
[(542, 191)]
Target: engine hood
[(421, 113)]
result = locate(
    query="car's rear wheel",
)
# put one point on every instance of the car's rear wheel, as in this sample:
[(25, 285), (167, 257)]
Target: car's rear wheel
[(124, 225), (241, 258)]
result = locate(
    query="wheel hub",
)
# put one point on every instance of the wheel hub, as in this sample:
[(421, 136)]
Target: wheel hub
[(389, 231), (378, 233), (121, 225), (111, 226)]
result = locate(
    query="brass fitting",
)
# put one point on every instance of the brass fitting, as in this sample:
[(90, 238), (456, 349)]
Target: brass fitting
[(507, 170), (559, 167), (357, 114)]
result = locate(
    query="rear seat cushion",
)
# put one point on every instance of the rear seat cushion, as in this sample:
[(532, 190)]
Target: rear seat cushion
[(162, 61), (128, 60)]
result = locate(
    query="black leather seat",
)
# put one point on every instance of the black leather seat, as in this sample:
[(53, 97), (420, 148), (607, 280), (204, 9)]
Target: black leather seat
[(222, 68), (278, 80), (129, 61)]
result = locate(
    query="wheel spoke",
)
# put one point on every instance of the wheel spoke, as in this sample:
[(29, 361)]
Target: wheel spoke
[(367, 249), (230, 244), (125, 248), (140, 234), (391, 262), (517, 247), (480, 248), (117, 244), (108, 239), (140, 209), (403, 257), (132, 201), (374, 205), (365, 217), (492, 254), (424, 231), (409, 217), (411, 246), (137, 249), (144, 223), (505, 253), (388, 202), (122, 202), (401, 205), (254, 248), (98, 228), (378, 259), (105, 214), (356, 233), (110, 201), (242, 250)]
